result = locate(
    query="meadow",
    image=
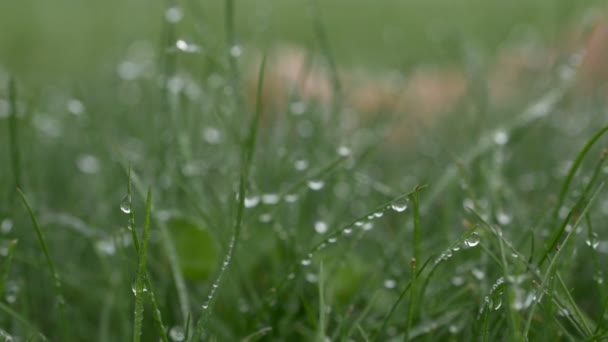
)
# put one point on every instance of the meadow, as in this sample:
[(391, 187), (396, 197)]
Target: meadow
[(146, 195)]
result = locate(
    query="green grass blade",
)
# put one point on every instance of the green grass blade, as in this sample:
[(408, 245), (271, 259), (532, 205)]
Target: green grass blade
[(56, 279), (248, 150), (553, 264), (141, 273), (558, 234)]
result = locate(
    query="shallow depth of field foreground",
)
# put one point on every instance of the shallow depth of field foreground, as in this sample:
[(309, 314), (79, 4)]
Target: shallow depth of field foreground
[(303, 170)]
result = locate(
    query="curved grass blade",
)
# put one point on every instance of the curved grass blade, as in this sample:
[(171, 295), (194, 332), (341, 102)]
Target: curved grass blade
[(56, 279)]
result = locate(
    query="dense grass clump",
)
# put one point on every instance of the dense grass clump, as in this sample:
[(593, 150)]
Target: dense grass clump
[(155, 201)]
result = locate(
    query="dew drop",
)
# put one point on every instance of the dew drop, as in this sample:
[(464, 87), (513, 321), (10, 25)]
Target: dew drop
[(75, 107), (399, 206), (88, 164), (593, 241), (478, 274), (347, 231), (503, 218), (332, 240), (270, 199), (212, 135), (291, 198), (306, 262), (316, 185), (300, 164), (205, 305), (368, 226), (174, 14), (125, 205), (185, 46), (251, 201), (378, 214), (501, 137), (236, 51), (473, 240), (321, 227), (390, 283), (344, 151), (177, 333), (457, 280), (6, 226), (311, 277)]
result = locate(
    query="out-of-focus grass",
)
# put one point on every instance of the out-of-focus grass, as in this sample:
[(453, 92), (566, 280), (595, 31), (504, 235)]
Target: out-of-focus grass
[(340, 235)]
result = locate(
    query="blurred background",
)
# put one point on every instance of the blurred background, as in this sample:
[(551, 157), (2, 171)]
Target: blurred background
[(104, 85)]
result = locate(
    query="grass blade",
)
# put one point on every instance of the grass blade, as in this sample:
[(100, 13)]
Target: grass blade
[(141, 273), (248, 150), (56, 279)]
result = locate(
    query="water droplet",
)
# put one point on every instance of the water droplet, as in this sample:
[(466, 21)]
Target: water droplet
[(503, 218), (205, 305), (359, 224), (252, 201), (347, 231), (457, 280), (174, 14), (185, 46), (390, 283), (236, 51), (316, 185), (265, 218), (177, 334), (453, 329), (212, 135), (344, 151), (497, 303), (378, 214), (399, 206), (332, 240), (291, 198), (75, 107), (106, 246), (6, 226), (593, 241), (368, 226), (306, 262), (501, 137), (87, 164), (125, 205), (477, 273), (599, 277), (468, 204), (270, 199), (321, 227), (297, 108), (300, 164), (311, 277), (473, 240)]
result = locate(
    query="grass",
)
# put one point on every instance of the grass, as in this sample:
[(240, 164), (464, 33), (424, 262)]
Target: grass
[(487, 226)]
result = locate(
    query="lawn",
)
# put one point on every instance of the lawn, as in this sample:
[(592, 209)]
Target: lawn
[(144, 197)]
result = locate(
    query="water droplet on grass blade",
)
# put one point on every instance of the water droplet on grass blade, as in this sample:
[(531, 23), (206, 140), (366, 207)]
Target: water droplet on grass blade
[(593, 241), (316, 185), (270, 198), (473, 240), (185, 46), (125, 205), (252, 201), (321, 227), (399, 206), (177, 334)]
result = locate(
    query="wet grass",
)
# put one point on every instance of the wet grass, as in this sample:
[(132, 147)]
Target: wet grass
[(486, 227)]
